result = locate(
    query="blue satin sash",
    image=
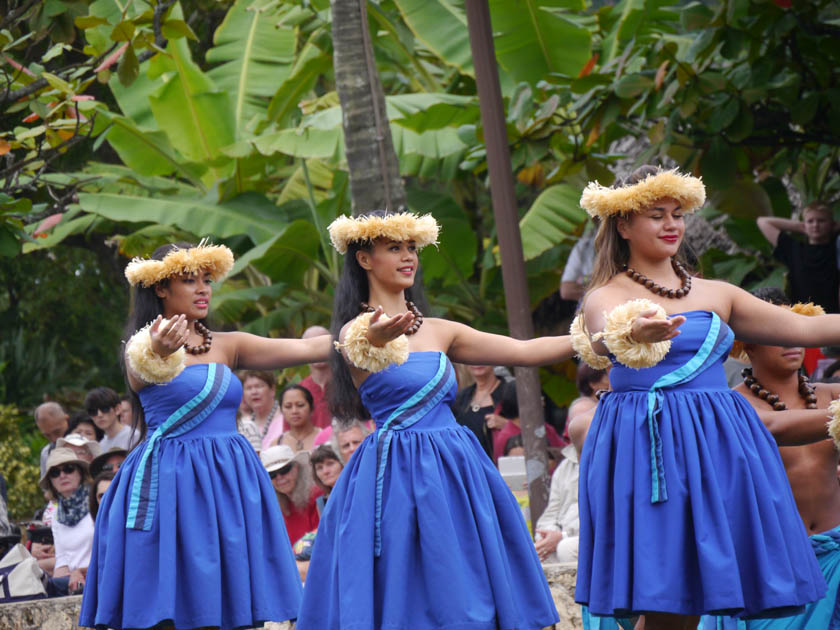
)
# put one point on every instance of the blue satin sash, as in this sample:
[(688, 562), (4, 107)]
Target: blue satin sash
[(407, 414), (714, 346), (144, 488)]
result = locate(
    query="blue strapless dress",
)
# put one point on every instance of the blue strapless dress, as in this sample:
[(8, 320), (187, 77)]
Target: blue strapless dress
[(684, 503), (190, 530), (420, 531)]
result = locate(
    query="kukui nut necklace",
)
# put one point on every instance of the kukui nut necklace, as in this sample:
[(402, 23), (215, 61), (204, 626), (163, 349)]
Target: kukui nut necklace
[(202, 330), (268, 418), (411, 306), (659, 289), (806, 391)]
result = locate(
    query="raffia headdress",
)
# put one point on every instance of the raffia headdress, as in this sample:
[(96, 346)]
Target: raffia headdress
[(217, 260), (602, 202), (807, 308), (402, 226)]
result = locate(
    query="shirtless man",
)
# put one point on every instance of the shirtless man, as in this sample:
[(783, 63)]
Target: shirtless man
[(812, 471)]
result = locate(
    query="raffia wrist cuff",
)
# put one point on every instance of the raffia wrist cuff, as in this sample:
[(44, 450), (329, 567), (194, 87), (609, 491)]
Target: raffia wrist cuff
[(834, 422), (583, 347), (365, 355), (148, 364), (617, 335)]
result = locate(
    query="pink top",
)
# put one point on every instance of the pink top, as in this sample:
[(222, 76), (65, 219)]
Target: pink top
[(510, 429), (324, 436), (321, 416), (275, 430)]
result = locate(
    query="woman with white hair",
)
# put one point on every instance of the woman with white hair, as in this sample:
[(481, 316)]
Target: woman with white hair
[(296, 491)]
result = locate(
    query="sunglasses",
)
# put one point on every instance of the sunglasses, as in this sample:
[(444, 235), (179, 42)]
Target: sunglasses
[(67, 469), (110, 468), (94, 411), (281, 471)]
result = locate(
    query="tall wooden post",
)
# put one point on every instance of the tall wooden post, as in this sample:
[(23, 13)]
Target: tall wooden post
[(521, 326)]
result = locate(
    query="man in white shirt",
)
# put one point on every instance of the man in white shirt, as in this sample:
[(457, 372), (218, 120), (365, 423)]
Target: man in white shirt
[(102, 405)]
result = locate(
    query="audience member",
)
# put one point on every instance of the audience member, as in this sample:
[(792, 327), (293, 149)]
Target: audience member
[(296, 404), (39, 543), (579, 266), (317, 382), (103, 404), (51, 420), (326, 467), (84, 425), (259, 389), (296, 492), (125, 413), (84, 448), (812, 265), (558, 526), (509, 410), (476, 406), (514, 446), (348, 437), (109, 461), (66, 480), (589, 382), (100, 485)]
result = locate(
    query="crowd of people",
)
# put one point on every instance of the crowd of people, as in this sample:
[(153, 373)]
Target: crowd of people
[(650, 451)]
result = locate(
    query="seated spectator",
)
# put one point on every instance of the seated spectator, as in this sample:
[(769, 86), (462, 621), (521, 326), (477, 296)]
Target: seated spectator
[(476, 406), (109, 461), (813, 264), (259, 390), (579, 266), (125, 412), (509, 410), (514, 446), (102, 404), (348, 437), (100, 485), (296, 492), (84, 425), (558, 526), (296, 403), (320, 375), (326, 467), (39, 542), (66, 480), (51, 420), (589, 382), (84, 448)]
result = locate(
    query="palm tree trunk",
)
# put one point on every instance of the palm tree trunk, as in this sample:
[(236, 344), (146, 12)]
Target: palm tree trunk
[(374, 169)]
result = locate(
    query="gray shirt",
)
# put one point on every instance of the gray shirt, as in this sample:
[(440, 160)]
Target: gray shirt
[(126, 438)]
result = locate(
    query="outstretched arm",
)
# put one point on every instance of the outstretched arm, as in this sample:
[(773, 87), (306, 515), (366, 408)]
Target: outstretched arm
[(795, 427), (771, 227), (260, 353), (756, 321), (473, 347)]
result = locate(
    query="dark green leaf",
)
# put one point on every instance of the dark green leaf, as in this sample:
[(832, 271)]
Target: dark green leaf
[(129, 68), (631, 85), (718, 164)]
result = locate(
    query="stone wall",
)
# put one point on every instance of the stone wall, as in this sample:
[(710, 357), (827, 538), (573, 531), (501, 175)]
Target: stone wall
[(62, 613)]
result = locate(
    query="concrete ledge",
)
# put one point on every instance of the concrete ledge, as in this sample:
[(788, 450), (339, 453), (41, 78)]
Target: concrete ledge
[(62, 613)]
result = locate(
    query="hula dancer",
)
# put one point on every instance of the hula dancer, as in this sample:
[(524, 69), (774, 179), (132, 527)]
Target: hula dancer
[(684, 504), (190, 533)]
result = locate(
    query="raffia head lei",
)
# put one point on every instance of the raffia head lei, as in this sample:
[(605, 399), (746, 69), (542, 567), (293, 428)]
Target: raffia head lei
[(602, 202), (808, 309), (217, 260), (402, 226)]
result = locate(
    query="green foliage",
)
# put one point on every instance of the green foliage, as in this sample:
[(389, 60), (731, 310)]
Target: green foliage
[(19, 463)]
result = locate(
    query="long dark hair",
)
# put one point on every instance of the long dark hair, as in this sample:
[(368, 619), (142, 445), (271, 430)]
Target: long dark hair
[(145, 307), (352, 290)]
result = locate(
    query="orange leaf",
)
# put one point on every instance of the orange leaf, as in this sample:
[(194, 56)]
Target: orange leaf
[(5, 147), (111, 59), (31, 118), (47, 224), (660, 74), (65, 134), (588, 67)]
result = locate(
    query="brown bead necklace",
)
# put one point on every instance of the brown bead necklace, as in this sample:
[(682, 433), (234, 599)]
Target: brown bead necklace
[(806, 391), (411, 306), (684, 276), (202, 330)]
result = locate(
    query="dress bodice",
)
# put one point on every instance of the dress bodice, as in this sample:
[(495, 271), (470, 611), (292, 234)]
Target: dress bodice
[(683, 347), (425, 383), (161, 401)]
